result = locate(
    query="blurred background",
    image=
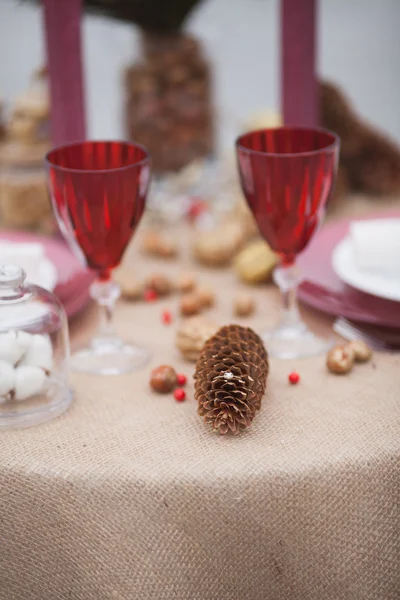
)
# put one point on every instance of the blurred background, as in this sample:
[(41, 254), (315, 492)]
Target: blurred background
[(359, 49)]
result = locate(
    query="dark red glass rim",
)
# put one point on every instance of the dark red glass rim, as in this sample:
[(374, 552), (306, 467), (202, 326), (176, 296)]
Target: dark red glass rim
[(335, 141), (142, 161)]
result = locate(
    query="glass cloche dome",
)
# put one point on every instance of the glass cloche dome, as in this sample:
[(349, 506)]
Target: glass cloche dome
[(34, 352)]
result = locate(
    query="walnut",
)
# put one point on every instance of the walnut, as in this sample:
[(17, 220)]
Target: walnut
[(192, 335), (255, 263), (218, 246), (131, 288), (340, 360)]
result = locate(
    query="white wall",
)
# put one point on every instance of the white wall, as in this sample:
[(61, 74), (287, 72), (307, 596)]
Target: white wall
[(359, 48)]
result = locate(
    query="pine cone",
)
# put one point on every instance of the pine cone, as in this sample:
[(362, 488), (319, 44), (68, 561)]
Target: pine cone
[(230, 378)]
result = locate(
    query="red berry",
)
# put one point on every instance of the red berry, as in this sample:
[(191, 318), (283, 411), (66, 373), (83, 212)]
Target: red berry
[(179, 395), (197, 207), (181, 379), (294, 378), (166, 317), (150, 295)]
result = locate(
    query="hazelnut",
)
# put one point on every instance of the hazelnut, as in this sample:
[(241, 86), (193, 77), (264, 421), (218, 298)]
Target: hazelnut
[(206, 296), (160, 284), (167, 249), (340, 359), (154, 243), (362, 352), (163, 379), (189, 305), (243, 305), (186, 283)]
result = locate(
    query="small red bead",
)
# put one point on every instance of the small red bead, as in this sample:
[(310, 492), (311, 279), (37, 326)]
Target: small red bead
[(166, 317), (294, 378), (179, 395), (181, 379), (150, 295)]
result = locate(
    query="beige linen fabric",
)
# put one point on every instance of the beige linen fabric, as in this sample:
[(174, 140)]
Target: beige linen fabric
[(130, 497)]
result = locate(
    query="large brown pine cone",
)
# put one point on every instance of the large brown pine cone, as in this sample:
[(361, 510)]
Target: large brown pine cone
[(230, 378)]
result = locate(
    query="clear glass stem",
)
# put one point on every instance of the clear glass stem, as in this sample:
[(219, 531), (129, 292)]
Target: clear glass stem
[(287, 279), (105, 293)]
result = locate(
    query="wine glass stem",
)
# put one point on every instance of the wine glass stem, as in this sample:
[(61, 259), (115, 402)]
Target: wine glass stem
[(106, 293), (287, 279)]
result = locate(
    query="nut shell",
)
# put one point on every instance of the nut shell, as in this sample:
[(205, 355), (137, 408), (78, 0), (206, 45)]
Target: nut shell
[(340, 360), (192, 335), (243, 305), (131, 288), (163, 379), (255, 263), (362, 352)]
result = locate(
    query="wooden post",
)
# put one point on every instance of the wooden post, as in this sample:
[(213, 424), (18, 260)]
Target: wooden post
[(62, 24), (299, 86)]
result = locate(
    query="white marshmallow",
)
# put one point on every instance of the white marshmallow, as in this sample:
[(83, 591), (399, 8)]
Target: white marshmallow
[(7, 379), (39, 353), (29, 381), (24, 340), (10, 350)]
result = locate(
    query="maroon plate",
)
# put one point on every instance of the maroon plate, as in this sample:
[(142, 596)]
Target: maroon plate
[(73, 280), (322, 289)]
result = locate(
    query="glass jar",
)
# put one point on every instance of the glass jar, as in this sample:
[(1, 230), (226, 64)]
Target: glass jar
[(34, 352), (169, 101), (24, 201)]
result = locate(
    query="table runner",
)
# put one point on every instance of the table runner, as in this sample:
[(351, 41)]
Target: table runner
[(129, 496)]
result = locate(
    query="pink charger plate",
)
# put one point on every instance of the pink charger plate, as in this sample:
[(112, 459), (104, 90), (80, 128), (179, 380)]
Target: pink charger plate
[(73, 280), (322, 289)]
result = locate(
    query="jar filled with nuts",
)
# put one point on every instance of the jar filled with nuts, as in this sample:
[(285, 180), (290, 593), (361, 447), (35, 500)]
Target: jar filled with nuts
[(24, 202), (168, 101)]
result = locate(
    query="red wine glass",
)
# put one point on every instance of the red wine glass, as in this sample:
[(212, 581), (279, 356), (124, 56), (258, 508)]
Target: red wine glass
[(287, 176), (98, 191)]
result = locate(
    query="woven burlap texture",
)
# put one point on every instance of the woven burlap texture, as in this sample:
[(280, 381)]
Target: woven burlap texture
[(129, 496)]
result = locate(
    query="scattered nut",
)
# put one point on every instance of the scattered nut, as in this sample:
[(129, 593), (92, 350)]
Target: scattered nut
[(218, 246), (362, 352), (131, 288), (160, 284), (206, 296), (340, 359), (190, 304), (192, 335), (151, 242), (163, 379), (156, 244), (186, 283), (243, 305), (255, 263)]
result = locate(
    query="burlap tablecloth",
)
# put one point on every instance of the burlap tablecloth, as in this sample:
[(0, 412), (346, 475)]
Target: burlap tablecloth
[(129, 496)]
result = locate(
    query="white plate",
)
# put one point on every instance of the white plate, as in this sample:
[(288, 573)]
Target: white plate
[(377, 284)]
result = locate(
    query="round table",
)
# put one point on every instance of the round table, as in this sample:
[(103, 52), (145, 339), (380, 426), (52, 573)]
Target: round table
[(130, 496)]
